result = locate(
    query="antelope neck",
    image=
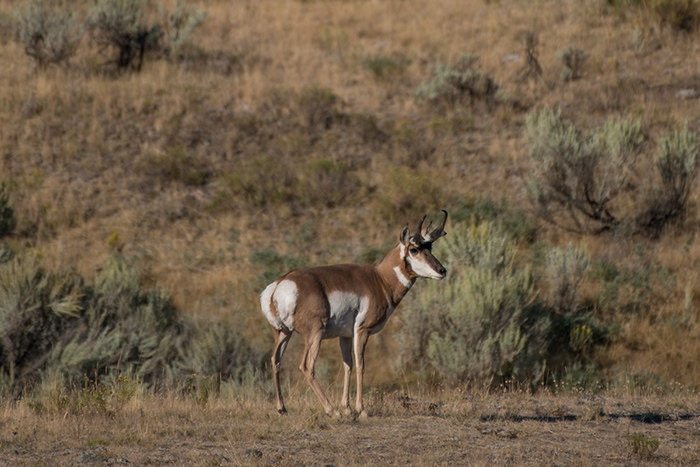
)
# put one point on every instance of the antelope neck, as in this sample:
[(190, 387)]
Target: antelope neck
[(396, 276)]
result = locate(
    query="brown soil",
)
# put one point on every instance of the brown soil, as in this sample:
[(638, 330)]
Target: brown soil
[(432, 429)]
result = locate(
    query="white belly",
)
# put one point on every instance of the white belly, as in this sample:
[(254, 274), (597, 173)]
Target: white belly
[(347, 313)]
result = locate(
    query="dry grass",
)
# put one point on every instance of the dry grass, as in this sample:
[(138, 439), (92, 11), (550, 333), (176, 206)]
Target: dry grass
[(409, 427), (89, 153)]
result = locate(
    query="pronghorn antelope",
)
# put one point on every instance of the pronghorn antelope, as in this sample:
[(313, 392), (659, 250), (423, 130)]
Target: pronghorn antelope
[(347, 301)]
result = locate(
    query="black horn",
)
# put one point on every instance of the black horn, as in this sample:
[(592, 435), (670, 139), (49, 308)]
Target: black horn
[(418, 236), (439, 231)]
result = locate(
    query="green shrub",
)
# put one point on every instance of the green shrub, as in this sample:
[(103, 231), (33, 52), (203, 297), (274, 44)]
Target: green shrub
[(273, 264), (459, 83), (180, 25), (472, 328), (513, 221), (682, 15), (629, 289), (487, 322), (373, 255), (317, 107), (677, 164), (573, 60), (328, 183), (126, 329), (256, 182), (369, 128), (49, 34), (6, 253), (565, 270), (575, 176), (383, 66), (642, 446), (7, 214), (6, 27), (123, 329), (334, 40), (122, 25), (412, 146), (175, 164), (219, 351), (54, 325), (408, 194), (532, 68), (581, 377), (37, 309), (104, 398)]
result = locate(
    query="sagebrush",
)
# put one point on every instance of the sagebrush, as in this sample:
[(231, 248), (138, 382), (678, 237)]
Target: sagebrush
[(489, 324), (49, 33), (577, 177), (54, 323)]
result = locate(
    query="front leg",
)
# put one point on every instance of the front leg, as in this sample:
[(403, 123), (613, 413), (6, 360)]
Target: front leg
[(361, 336), (346, 351)]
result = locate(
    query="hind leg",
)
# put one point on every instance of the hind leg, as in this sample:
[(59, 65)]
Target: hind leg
[(313, 345), (281, 341)]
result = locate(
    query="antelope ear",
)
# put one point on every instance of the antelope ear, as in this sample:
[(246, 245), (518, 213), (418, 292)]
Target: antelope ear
[(404, 237)]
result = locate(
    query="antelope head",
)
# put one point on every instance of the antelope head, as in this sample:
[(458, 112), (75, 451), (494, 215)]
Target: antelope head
[(416, 250)]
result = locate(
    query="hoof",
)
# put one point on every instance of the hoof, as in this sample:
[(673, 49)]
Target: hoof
[(282, 411), (363, 415), (347, 411)]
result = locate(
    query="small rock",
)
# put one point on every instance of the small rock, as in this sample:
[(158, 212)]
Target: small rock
[(506, 434), (585, 398), (512, 58), (254, 453), (116, 461), (687, 94), (91, 458)]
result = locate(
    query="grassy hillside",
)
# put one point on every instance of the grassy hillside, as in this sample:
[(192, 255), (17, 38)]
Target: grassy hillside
[(291, 133)]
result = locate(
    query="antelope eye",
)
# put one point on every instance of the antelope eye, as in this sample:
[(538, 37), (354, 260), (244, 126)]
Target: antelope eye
[(413, 251)]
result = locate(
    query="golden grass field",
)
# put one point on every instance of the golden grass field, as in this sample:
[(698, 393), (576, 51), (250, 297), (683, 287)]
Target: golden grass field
[(409, 427), (142, 163), (99, 163)]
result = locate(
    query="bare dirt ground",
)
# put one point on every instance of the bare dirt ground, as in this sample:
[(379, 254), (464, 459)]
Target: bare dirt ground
[(452, 429)]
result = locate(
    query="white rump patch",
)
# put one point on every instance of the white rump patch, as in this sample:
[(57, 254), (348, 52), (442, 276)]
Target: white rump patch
[(285, 297), (403, 279), (265, 299)]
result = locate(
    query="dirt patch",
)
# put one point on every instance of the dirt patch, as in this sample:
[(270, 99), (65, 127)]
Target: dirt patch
[(438, 429)]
